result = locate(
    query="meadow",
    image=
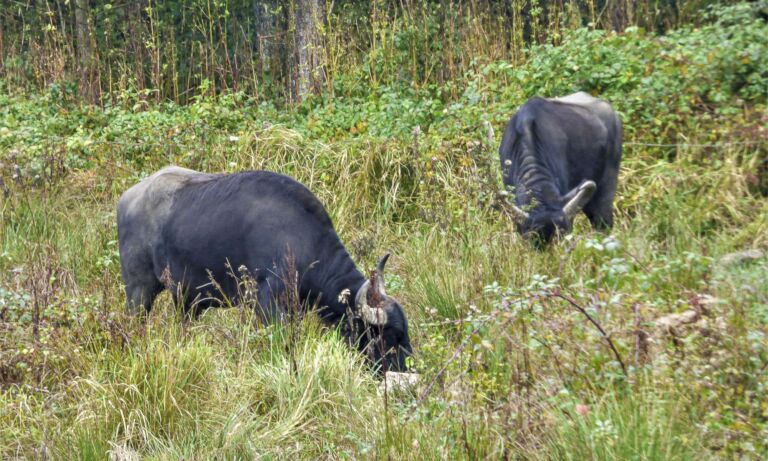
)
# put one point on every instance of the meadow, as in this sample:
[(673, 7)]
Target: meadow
[(646, 343)]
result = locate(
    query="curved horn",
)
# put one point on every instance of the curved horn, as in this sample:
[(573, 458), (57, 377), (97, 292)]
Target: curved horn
[(518, 213), (382, 263), (379, 274), (361, 298), (582, 195), (373, 315), (370, 315)]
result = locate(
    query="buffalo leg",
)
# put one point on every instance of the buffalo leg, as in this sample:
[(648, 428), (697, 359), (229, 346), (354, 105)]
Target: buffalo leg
[(141, 284), (141, 294), (599, 210), (189, 309), (269, 308), (601, 217), (192, 307)]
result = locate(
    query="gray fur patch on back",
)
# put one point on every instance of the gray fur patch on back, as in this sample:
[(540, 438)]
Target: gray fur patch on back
[(596, 106), (151, 199), (579, 98)]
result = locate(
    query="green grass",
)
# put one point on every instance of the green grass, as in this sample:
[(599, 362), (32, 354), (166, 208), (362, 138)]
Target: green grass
[(641, 424), (95, 381)]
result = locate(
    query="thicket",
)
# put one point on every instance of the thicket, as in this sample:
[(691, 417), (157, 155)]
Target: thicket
[(176, 50), (407, 164), (696, 85)]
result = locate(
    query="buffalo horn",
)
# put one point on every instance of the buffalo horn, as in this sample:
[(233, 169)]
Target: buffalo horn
[(361, 298), (518, 213), (374, 315), (370, 315), (582, 195), (380, 274)]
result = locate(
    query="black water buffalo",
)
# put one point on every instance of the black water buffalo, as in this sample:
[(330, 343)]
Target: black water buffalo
[(191, 232), (560, 156)]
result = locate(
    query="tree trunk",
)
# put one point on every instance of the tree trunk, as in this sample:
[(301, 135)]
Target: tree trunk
[(2, 44), (62, 22), (263, 10), (135, 44), (285, 49), (260, 24), (310, 74), (618, 15), (84, 52)]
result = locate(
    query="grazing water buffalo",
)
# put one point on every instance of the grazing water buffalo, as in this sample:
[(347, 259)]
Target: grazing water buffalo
[(561, 156), (187, 230)]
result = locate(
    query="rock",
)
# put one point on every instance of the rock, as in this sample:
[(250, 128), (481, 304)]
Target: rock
[(741, 257), (672, 321), (122, 453), (395, 380)]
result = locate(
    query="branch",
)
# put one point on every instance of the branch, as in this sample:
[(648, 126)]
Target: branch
[(573, 303), (442, 370), (455, 355)]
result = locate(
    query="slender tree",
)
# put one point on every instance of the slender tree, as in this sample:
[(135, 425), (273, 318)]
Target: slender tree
[(134, 44), (310, 74), (84, 52)]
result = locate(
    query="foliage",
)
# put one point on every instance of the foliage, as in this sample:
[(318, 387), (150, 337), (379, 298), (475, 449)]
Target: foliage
[(176, 50)]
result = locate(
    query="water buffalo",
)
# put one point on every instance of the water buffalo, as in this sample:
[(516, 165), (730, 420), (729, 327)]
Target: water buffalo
[(186, 231), (560, 156)]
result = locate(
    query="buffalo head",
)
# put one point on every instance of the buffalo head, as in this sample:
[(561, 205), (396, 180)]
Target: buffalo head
[(547, 220), (386, 340)]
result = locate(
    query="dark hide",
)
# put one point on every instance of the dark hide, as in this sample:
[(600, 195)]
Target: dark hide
[(549, 149), (178, 229)]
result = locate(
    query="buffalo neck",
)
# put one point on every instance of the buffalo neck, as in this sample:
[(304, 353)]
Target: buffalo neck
[(335, 273), (534, 180)]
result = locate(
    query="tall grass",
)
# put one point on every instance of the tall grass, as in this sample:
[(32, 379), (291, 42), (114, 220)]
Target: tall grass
[(96, 382), (645, 424)]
